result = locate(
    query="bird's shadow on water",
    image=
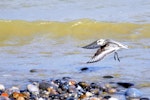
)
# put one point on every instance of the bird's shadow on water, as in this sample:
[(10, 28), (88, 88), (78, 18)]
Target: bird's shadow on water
[(92, 68)]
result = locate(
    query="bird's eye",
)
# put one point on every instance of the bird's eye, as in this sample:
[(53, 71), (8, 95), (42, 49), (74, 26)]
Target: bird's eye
[(99, 41)]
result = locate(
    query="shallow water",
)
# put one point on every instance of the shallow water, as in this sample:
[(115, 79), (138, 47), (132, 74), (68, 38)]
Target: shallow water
[(67, 10), (64, 57), (53, 44)]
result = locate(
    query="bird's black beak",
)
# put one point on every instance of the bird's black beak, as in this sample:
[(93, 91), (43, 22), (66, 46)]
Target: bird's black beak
[(93, 45)]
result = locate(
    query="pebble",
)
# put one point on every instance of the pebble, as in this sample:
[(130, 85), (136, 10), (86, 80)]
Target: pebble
[(2, 87), (133, 93), (84, 69), (112, 98), (125, 84), (67, 88), (33, 89), (44, 85), (108, 77)]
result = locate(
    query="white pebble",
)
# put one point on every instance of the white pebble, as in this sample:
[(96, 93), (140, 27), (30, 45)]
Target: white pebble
[(2, 87), (113, 98), (33, 89), (41, 99), (88, 94)]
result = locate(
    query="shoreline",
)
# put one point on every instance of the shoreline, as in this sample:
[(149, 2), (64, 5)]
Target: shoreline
[(66, 88)]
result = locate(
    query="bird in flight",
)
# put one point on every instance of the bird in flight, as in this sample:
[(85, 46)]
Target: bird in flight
[(106, 46)]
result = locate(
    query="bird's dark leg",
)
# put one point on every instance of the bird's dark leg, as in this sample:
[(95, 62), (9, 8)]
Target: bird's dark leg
[(117, 56)]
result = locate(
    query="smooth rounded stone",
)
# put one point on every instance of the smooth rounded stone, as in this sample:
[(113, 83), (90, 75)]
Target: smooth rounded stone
[(15, 94), (125, 85), (52, 91), (44, 85), (72, 82), (112, 98), (88, 94), (95, 98), (2, 87), (84, 85), (5, 94), (108, 77), (20, 98), (13, 89), (79, 88), (37, 70), (41, 99), (118, 96), (112, 90), (106, 97), (144, 99), (84, 69), (33, 88), (133, 93)]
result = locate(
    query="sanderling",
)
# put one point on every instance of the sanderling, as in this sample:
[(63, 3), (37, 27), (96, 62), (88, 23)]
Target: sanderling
[(106, 46)]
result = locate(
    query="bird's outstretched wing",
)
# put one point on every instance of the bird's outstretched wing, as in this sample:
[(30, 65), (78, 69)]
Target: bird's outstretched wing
[(117, 43), (93, 45), (100, 54)]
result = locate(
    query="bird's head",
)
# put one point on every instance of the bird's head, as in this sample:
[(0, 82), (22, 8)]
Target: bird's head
[(96, 44), (101, 42)]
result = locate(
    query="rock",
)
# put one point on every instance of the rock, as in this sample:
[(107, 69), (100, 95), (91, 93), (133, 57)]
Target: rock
[(112, 98), (94, 98), (15, 94), (133, 93), (2, 87), (112, 90), (33, 89), (84, 85), (13, 89), (107, 77), (5, 94), (125, 85), (144, 99), (20, 98), (84, 69), (107, 97), (41, 99), (52, 91), (119, 96), (88, 94), (70, 89), (33, 70), (37, 70), (44, 85), (72, 82)]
